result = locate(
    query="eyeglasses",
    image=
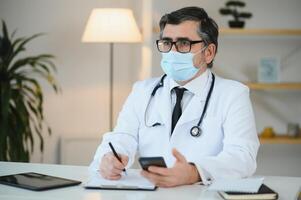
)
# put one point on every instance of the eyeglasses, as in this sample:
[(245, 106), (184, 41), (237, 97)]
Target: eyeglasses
[(182, 46)]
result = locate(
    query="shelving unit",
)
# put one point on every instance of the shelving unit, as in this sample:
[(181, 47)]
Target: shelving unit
[(280, 140), (274, 86), (260, 32)]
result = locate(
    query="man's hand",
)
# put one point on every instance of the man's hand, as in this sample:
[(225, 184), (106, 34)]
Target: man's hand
[(182, 173), (110, 167)]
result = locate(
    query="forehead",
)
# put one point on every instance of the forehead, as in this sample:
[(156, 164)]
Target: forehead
[(186, 29)]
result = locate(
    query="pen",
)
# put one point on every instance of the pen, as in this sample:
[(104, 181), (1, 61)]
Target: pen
[(116, 155)]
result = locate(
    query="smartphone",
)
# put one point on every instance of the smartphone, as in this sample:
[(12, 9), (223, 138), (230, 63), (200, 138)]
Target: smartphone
[(146, 162)]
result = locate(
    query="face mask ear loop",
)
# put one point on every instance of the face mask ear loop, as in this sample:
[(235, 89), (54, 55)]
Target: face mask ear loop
[(200, 51), (203, 49)]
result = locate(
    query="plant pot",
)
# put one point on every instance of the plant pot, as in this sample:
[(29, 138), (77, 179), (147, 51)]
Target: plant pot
[(236, 24)]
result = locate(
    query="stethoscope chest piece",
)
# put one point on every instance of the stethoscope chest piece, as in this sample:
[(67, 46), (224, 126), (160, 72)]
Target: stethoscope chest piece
[(195, 131)]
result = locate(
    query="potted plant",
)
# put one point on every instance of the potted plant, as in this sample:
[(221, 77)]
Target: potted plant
[(21, 97), (232, 9)]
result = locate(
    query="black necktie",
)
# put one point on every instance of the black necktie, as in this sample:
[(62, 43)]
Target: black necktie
[(177, 111)]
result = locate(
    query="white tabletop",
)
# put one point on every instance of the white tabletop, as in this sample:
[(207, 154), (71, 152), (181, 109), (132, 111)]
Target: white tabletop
[(287, 187)]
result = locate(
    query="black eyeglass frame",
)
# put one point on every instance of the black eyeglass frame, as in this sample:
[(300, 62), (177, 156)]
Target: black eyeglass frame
[(192, 42)]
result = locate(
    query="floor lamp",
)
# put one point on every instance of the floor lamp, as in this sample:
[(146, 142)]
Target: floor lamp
[(111, 25)]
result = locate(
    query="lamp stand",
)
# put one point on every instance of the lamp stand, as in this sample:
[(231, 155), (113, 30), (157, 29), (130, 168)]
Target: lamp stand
[(111, 85)]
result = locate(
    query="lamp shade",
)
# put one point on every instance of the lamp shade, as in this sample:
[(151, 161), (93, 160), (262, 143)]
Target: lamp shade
[(111, 25)]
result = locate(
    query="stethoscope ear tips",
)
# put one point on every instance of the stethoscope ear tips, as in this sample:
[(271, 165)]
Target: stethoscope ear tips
[(195, 131)]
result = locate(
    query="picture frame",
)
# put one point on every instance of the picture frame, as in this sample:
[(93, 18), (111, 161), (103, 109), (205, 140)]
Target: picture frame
[(269, 70)]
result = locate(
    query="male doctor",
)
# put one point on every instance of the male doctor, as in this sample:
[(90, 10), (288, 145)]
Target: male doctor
[(202, 124)]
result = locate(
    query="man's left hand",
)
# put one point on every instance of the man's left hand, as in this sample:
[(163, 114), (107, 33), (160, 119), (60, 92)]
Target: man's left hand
[(182, 173)]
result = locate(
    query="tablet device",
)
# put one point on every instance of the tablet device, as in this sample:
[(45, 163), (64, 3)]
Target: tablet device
[(36, 181), (146, 162)]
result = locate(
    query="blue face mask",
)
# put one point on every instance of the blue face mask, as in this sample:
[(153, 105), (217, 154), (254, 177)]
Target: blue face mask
[(178, 66)]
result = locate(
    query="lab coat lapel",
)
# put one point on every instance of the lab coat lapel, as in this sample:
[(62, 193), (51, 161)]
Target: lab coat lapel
[(195, 107), (160, 106), (193, 110), (165, 104)]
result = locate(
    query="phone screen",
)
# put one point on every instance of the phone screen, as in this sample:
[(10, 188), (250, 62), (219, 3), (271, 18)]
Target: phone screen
[(146, 162)]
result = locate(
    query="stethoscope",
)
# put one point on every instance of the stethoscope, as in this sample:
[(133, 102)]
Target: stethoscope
[(195, 131)]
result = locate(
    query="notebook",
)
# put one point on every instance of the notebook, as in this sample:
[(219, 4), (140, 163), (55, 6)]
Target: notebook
[(250, 185), (264, 192), (131, 181)]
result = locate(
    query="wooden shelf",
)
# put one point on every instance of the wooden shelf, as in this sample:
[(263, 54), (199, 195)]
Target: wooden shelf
[(280, 140), (275, 32), (254, 32), (278, 86)]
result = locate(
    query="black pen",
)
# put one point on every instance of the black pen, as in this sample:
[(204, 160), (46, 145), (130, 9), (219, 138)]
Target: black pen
[(116, 155)]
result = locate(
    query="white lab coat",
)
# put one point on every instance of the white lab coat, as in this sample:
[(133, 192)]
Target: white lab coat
[(227, 147)]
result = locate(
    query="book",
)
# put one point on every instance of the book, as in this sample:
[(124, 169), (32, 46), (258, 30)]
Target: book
[(131, 181), (264, 192)]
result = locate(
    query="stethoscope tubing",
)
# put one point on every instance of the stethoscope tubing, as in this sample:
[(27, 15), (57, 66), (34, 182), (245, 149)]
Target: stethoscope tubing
[(195, 131)]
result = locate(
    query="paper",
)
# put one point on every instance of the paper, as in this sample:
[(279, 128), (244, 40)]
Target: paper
[(133, 180), (250, 185)]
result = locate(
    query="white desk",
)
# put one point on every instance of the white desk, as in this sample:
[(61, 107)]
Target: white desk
[(287, 187)]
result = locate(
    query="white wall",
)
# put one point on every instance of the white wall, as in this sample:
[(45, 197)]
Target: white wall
[(83, 69)]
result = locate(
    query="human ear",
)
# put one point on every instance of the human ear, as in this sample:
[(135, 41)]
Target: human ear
[(210, 53)]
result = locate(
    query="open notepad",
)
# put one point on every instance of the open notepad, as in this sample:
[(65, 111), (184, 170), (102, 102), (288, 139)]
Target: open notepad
[(132, 181)]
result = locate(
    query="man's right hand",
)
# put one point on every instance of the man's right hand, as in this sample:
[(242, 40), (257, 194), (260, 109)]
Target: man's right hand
[(110, 167)]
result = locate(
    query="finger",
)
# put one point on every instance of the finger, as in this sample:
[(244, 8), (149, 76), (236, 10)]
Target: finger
[(154, 178), (116, 177), (178, 155), (160, 170), (107, 174), (116, 163), (124, 159), (158, 180), (116, 171), (110, 169), (110, 175), (109, 162)]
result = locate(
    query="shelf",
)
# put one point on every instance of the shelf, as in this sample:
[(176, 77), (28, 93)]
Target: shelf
[(249, 32), (278, 86), (280, 140), (276, 32)]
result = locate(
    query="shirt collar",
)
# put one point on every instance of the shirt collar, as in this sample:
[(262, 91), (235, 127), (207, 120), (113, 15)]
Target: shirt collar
[(195, 86)]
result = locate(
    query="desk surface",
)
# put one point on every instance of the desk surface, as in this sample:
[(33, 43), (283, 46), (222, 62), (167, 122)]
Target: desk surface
[(287, 187)]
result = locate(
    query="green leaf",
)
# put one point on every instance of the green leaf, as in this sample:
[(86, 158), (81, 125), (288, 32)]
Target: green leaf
[(24, 62), (21, 46), (22, 98), (4, 30)]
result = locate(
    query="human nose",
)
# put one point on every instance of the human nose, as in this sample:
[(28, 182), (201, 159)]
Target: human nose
[(173, 47)]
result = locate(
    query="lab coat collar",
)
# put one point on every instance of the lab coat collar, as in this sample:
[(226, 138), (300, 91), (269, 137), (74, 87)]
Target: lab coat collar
[(195, 86)]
